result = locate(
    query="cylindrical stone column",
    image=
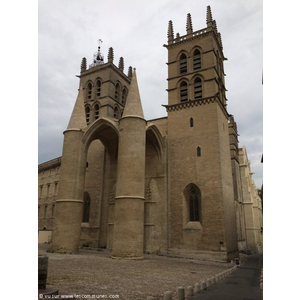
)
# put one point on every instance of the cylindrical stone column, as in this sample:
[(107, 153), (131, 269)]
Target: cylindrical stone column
[(128, 237), (69, 206)]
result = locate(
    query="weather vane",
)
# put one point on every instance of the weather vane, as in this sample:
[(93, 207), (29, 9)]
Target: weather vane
[(98, 57)]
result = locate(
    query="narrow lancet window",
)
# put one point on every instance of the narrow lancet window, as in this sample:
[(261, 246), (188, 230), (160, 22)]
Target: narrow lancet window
[(117, 92), (98, 85), (124, 93), (198, 151), (198, 88), (197, 60), (116, 112), (97, 108), (183, 64), (194, 205), (87, 114), (89, 91), (183, 91), (191, 122)]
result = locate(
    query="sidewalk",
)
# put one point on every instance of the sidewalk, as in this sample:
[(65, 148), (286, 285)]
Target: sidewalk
[(243, 284)]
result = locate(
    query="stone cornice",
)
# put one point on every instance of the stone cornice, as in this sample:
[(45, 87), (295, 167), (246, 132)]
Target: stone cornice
[(103, 67), (49, 164), (192, 103)]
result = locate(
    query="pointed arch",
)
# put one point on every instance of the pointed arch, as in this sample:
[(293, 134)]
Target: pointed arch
[(89, 90), (87, 114), (196, 59), (191, 122), (117, 112), (156, 138), (124, 96), (198, 92), (183, 89), (192, 199), (96, 108), (98, 87), (117, 91), (183, 63), (107, 131)]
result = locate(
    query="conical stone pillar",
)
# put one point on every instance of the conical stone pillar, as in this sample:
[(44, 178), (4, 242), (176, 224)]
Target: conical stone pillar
[(69, 206), (128, 237)]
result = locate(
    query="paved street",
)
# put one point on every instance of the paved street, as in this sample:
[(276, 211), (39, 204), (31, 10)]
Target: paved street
[(243, 284)]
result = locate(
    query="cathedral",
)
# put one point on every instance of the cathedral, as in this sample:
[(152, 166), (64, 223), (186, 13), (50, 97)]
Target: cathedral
[(178, 185)]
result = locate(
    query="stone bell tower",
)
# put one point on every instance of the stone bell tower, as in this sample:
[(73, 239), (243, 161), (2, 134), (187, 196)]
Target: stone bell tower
[(106, 126), (202, 215)]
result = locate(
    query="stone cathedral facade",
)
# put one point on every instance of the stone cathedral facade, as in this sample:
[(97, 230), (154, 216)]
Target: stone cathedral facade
[(168, 185)]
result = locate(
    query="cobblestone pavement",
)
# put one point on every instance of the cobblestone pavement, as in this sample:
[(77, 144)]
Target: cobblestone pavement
[(93, 272)]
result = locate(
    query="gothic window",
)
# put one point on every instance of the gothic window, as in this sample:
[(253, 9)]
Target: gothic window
[(198, 88), (98, 86), (117, 92), (87, 114), (89, 91), (124, 94), (116, 112), (48, 189), (183, 63), (97, 108), (198, 151), (86, 207), (55, 188), (53, 210), (183, 91), (194, 203), (191, 122), (197, 60), (45, 211)]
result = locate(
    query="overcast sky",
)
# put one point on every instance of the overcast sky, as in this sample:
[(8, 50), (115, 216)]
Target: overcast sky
[(69, 30)]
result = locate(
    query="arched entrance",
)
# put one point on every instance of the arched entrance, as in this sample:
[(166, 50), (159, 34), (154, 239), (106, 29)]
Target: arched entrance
[(101, 146)]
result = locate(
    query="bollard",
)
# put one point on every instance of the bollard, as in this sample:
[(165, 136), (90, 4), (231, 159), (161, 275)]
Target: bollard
[(168, 296), (203, 286), (190, 291), (180, 293), (208, 282), (213, 280), (197, 288)]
